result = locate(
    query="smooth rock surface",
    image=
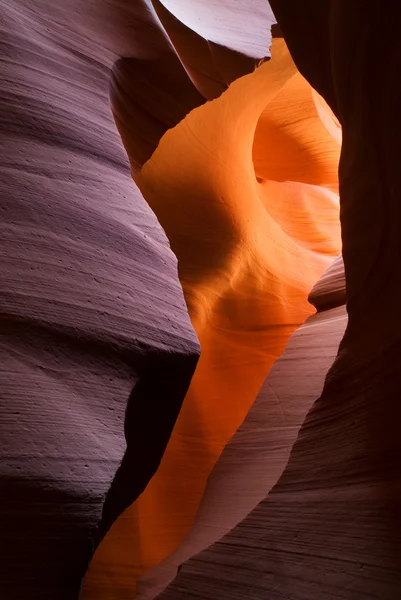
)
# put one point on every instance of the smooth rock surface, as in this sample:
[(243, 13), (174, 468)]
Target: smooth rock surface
[(249, 251), (329, 291), (256, 456)]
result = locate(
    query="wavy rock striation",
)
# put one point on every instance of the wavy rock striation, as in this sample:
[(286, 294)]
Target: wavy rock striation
[(96, 339)]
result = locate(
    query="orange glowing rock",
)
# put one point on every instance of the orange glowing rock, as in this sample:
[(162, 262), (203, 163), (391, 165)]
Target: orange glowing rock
[(245, 189)]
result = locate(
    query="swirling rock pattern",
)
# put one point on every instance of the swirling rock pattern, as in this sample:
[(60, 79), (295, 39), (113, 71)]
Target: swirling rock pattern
[(252, 234), (98, 350)]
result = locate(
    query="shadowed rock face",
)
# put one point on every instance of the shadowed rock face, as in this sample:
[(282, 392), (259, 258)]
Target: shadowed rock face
[(330, 528), (329, 291), (95, 334)]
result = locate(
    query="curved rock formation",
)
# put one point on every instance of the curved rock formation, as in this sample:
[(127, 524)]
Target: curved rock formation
[(251, 241), (329, 291), (235, 157), (96, 339), (330, 527)]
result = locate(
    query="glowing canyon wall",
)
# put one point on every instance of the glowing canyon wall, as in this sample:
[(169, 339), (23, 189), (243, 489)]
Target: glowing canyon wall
[(199, 300)]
